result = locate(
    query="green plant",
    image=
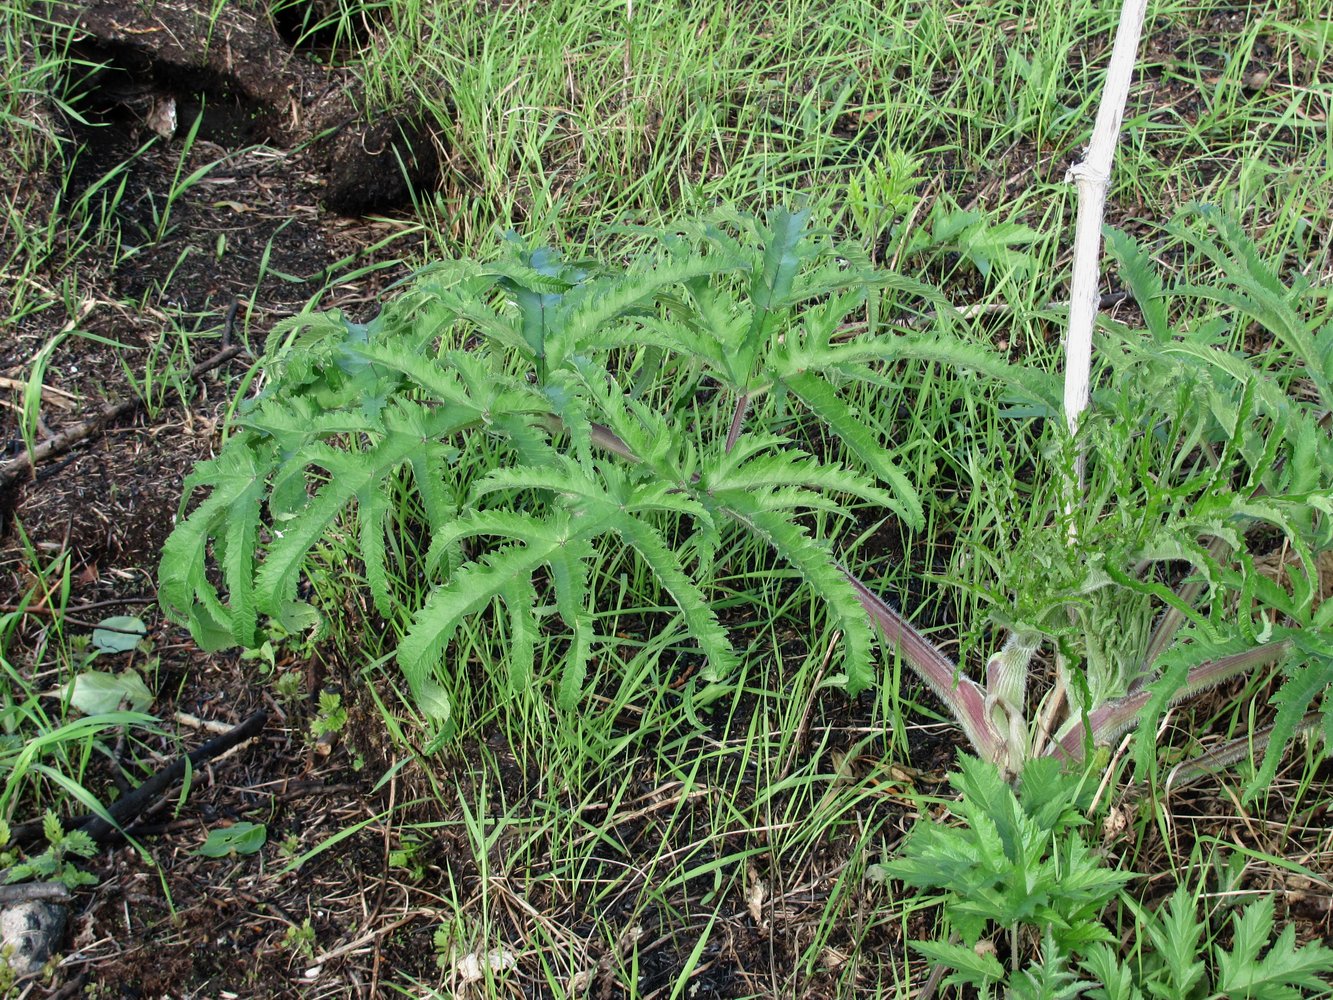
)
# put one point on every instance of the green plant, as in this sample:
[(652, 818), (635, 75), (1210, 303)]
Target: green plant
[(179, 185), (1178, 955), (989, 247), (32, 393), (287, 686), (622, 402), (45, 749), (590, 403), (300, 939), (236, 839), (331, 717), (406, 857), (1147, 587), (883, 194), (1016, 862), (58, 862)]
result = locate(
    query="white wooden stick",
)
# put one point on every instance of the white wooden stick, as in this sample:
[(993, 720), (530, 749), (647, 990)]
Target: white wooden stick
[(1092, 177)]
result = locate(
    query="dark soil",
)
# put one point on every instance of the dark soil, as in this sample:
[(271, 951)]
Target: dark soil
[(254, 231)]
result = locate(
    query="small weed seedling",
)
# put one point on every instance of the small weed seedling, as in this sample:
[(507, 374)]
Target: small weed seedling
[(331, 718), (406, 858), (58, 863), (287, 686), (1179, 956), (1016, 864), (232, 841), (300, 939)]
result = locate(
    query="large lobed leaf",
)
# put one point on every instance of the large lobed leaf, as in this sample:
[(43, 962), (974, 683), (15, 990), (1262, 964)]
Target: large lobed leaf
[(578, 379)]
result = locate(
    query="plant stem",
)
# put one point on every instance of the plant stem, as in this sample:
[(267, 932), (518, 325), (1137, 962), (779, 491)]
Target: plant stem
[(1108, 721)]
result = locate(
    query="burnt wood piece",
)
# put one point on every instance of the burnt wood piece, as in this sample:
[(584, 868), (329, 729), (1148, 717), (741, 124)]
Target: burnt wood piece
[(124, 810)]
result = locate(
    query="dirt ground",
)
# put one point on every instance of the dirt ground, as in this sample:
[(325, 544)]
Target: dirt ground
[(257, 230)]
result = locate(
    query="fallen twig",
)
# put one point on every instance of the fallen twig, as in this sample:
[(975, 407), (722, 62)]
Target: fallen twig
[(90, 606), (23, 464), (28, 892), (72, 989), (123, 811)]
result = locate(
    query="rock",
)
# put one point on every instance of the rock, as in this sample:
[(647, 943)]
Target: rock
[(30, 932)]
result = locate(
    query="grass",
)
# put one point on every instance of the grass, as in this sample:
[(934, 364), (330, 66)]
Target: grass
[(603, 109), (589, 845)]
